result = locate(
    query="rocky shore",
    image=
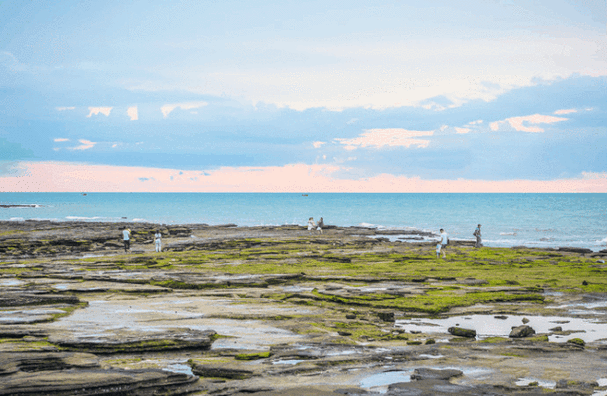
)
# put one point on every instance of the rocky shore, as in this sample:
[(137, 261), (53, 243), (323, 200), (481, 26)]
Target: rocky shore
[(229, 310)]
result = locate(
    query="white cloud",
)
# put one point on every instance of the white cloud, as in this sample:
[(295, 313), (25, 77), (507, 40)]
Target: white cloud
[(64, 108), (462, 130), (168, 108), (391, 137), (521, 123), (61, 140), (99, 110), (565, 111), (318, 144), (475, 122), (86, 144), (133, 113)]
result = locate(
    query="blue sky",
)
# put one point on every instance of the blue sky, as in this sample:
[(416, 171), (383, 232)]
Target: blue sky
[(340, 95)]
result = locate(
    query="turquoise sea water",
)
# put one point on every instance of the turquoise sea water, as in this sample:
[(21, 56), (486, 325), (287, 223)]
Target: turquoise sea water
[(540, 220)]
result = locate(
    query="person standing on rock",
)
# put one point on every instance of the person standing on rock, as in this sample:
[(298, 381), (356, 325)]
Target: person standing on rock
[(438, 246), (320, 225), (477, 234), (126, 237), (444, 241), (158, 241)]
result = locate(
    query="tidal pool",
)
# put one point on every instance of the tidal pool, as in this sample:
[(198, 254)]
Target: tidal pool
[(155, 315), (486, 326), (11, 282), (540, 383), (379, 382)]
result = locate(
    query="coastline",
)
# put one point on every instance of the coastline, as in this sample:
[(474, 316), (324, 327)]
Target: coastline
[(89, 236), (279, 310), (534, 220)]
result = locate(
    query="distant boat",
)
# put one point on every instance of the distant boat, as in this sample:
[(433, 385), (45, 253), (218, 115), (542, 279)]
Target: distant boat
[(84, 194), (304, 195)]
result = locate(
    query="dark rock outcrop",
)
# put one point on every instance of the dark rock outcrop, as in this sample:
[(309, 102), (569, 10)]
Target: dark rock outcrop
[(427, 373), (460, 332), (521, 332), (128, 342), (574, 250), (22, 299), (216, 371), (65, 373)]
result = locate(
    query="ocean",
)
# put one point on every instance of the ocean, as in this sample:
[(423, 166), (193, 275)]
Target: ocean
[(534, 220)]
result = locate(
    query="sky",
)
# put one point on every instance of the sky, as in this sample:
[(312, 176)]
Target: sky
[(314, 96)]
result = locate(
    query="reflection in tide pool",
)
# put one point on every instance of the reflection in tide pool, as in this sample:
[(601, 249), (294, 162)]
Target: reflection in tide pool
[(540, 383), (380, 382), (486, 326)]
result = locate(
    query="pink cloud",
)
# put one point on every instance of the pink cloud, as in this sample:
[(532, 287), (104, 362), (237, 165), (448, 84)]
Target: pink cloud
[(521, 123), (565, 111), (462, 130), (132, 113), (99, 110), (58, 177), (391, 137), (318, 144)]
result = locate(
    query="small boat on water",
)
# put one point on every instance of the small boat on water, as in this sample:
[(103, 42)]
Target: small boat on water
[(304, 195)]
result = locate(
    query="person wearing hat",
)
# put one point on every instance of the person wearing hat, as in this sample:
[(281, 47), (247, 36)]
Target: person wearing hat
[(477, 234)]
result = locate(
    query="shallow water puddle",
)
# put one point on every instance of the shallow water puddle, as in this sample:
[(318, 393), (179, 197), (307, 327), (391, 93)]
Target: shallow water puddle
[(11, 282), (109, 318), (540, 383), (486, 326), (291, 361), (23, 316), (585, 308), (379, 382)]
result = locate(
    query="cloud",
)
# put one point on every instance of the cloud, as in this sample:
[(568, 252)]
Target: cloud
[(64, 108), (96, 110), (520, 123), (462, 130), (65, 177), (594, 175), (168, 108), (318, 144), (61, 140), (86, 144), (390, 137), (565, 111), (132, 113)]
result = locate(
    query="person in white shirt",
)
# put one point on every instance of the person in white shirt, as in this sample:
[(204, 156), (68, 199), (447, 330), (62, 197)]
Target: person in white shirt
[(311, 224), (444, 241), (158, 241), (126, 237)]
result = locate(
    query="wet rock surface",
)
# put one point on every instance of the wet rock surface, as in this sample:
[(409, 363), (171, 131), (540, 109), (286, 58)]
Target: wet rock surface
[(229, 310), (521, 332)]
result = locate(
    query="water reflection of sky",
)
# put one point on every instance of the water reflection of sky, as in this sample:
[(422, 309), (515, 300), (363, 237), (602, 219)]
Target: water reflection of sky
[(488, 326)]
